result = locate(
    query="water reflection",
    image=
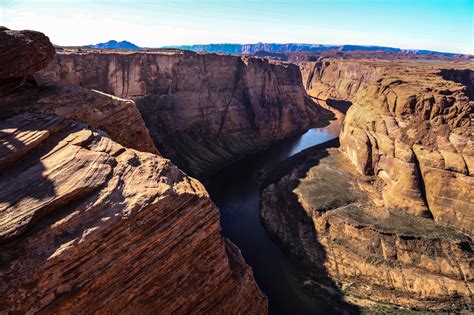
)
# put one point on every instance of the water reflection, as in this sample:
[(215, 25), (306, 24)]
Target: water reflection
[(236, 191)]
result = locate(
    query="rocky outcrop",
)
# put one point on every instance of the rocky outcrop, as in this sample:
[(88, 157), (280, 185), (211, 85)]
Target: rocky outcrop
[(389, 215), (88, 225), (410, 125), (22, 53), (119, 118), (203, 110), (462, 76), (325, 213), (414, 132), (338, 79)]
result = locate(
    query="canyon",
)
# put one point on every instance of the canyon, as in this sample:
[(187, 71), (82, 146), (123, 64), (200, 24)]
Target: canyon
[(203, 111), (93, 218), (102, 154), (387, 214)]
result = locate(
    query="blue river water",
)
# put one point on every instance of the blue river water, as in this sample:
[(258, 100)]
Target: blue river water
[(235, 190)]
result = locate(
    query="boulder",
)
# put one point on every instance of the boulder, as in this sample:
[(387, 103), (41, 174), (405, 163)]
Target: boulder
[(22, 54)]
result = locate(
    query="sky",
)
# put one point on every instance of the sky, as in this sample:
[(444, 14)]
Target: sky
[(442, 25)]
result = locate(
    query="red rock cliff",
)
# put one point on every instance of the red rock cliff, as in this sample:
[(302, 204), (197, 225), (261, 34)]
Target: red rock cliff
[(202, 110), (410, 125), (389, 215), (88, 225)]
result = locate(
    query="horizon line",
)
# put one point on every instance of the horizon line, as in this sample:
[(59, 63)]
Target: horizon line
[(281, 43)]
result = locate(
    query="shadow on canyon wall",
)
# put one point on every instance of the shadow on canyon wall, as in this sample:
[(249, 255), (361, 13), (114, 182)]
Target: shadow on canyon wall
[(284, 167), (464, 77), (200, 150), (298, 230), (340, 105)]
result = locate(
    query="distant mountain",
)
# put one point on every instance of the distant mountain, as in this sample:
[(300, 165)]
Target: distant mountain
[(113, 44), (249, 49), (259, 48), (428, 52), (366, 48)]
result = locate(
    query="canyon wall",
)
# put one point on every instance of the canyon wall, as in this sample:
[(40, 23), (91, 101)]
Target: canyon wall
[(203, 110), (338, 79), (415, 134), (410, 127), (89, 225), (389, 214)]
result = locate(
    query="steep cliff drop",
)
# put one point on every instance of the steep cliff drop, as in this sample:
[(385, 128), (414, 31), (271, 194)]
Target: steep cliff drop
[(203, 110), (92, 218), (389, 215)]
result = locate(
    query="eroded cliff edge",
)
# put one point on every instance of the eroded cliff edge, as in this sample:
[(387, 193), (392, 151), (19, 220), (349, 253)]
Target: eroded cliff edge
[(90, 225), (203, 110), (389, 214), (411, 126)]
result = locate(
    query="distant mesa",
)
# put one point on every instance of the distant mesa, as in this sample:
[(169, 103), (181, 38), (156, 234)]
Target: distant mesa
[(113, 44), (295, 47), (263, 49)]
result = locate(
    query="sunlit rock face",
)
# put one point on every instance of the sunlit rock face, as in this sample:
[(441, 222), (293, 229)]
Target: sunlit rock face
[(81, 212), (203, 110), (414, 132), (94, 220), (338, 79), (118, 117), (388, 215), (412, 128)]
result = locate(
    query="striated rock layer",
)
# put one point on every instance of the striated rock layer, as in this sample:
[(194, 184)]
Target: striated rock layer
[(389, 216), (119, 118), (88, 225), (338, 79), (203, 110), (411, 126), (327, 214)]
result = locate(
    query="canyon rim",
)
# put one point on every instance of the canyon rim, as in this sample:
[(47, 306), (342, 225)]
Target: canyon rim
[(143, 171)]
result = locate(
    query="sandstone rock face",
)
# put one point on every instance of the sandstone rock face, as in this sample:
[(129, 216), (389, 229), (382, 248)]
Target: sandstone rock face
[(462, 76), (22, 53), (415, 133), (371, 252), (338, 79), (203, 110), (390, 215), (88, 225), (410, 125), (119, 118)]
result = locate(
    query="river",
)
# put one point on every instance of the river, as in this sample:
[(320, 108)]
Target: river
[(235, 190)]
